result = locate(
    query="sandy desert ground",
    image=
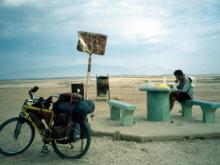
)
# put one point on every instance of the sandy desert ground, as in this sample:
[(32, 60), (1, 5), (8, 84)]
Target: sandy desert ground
[(105, 150)]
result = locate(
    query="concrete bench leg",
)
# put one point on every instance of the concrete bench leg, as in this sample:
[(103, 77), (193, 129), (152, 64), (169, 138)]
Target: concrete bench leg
[(186, 110), (208, 115), (127, 118), (115, 113)]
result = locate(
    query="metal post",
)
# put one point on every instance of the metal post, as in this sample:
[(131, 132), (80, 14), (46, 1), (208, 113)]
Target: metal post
[(88, 75)]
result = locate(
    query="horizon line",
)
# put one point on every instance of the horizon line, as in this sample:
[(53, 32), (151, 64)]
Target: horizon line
[(113, 76)]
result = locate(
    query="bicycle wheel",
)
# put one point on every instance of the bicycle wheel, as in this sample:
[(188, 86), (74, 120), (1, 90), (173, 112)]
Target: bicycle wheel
[(16, 135), (77, 148)]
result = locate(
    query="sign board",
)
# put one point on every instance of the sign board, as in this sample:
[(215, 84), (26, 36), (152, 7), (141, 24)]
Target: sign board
[(92, 43)]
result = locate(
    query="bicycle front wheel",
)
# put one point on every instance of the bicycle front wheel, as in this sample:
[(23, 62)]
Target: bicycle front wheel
[(77, 148), (16, 135)]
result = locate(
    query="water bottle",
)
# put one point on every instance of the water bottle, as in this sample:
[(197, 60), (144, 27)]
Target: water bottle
[(36, 120)]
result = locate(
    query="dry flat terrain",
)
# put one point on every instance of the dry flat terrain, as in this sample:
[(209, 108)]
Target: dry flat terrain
[(104, 150)]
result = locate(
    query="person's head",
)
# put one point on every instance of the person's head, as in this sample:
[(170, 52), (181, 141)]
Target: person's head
[(179, 75)]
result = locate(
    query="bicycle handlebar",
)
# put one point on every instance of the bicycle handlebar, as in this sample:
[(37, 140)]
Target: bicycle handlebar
[(32, 91)]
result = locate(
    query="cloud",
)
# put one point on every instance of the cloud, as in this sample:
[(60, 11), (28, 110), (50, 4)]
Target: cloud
[(142, 29), (144, 32)]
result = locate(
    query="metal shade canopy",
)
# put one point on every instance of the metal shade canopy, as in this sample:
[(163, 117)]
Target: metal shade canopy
[(91, 43)]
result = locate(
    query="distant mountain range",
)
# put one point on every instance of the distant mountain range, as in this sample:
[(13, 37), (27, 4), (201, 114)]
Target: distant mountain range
[(81, 71)]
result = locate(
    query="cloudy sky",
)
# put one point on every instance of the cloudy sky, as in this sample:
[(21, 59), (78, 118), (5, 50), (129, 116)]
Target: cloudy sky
[(172, 34)]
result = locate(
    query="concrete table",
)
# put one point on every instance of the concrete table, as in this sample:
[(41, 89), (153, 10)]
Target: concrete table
[(158, 104)]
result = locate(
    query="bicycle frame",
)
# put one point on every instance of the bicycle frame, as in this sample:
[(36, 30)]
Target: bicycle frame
[(48, 114)]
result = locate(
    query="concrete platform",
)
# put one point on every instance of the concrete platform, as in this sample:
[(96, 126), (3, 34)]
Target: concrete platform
[(142, 130)]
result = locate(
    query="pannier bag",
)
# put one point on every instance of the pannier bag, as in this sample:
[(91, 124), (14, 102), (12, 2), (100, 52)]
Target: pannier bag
[(67, 134), (68, 111), (61, 119)]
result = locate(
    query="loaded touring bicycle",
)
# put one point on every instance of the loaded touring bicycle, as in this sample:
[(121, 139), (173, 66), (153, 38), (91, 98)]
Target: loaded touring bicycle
[(65, 126)]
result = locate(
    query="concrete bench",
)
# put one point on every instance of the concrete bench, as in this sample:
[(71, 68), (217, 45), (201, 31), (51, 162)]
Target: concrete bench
[(122, 111), (208, 109)]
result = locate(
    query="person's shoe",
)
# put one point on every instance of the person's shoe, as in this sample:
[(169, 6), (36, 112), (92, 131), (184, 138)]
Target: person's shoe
[(44, 149)]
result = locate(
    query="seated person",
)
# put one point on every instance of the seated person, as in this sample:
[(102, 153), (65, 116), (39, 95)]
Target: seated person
[(184, 88)]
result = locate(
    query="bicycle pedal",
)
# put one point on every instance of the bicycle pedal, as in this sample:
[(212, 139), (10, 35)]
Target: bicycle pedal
[(46, 132), (44, 149)]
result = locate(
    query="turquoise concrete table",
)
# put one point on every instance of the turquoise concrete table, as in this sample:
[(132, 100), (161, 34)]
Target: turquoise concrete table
[(158, 104)]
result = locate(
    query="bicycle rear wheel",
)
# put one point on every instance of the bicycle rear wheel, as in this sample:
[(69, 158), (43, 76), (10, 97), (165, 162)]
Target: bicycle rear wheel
[(77, 148), (16, 135)]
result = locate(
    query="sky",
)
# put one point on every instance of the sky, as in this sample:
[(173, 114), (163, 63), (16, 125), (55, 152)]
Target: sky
[(168, 34)]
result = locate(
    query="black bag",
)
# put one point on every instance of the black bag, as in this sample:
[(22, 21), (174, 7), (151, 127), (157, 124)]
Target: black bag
[(61, 119), (70, 133), (43, 103), (62, 129)]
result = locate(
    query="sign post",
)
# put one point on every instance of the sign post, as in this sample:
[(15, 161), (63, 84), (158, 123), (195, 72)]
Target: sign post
[(91, 43)]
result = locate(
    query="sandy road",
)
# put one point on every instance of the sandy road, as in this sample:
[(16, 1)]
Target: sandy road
[(105, 151)]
